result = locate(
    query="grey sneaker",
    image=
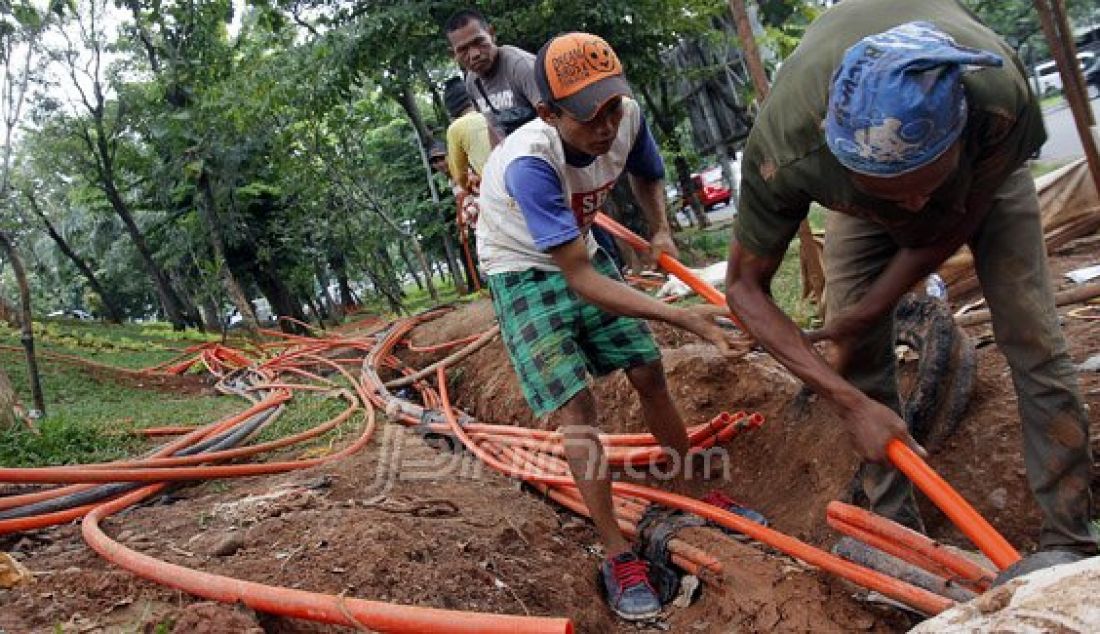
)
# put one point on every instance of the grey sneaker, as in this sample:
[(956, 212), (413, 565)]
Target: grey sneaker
[(1036, 561), (625, 580)]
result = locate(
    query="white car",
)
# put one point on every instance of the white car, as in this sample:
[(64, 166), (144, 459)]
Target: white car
[(1050, 80), (73, 313)]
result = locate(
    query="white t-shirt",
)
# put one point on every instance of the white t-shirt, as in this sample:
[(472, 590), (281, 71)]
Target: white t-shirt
[(504, 240)]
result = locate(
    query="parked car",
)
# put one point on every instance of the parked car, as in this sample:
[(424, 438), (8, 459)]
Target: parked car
[(1092, 77), (72, 313), (711, 190), (1050, 81)]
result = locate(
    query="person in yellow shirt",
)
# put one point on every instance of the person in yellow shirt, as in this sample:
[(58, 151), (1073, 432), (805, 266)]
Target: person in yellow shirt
[(468, 143)]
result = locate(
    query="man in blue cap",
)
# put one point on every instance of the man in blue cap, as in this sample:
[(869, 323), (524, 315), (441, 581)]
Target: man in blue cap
[(911, 122)]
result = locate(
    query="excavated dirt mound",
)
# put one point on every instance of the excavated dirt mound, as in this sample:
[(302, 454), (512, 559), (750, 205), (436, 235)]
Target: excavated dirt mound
[(788, 469)]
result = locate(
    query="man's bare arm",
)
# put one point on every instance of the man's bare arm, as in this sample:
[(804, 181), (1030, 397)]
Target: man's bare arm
[(870, 424)]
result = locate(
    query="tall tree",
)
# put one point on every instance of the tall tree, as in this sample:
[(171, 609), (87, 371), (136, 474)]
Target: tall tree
[(110, 304), (101, 133), (22, 26)]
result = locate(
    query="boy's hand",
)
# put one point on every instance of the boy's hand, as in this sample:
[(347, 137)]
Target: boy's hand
[(700, 320), (661, 242)]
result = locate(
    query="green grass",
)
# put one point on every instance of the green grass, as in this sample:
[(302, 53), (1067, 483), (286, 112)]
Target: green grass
[(1038, 168), (91, 419), (1051, 100), (417, 299), (308, 410), (699, 248), (128, 345)]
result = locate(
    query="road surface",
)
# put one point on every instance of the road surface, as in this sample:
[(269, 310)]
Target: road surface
[(1062, 139)]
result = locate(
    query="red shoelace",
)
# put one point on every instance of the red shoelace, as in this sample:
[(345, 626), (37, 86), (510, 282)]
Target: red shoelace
[(719, 499), (630, 573)]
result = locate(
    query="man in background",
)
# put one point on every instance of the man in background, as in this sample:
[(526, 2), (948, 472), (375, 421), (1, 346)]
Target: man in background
[(468, 147), (500, 79)]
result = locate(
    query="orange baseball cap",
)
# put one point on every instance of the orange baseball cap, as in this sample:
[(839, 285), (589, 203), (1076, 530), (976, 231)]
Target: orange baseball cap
[(579, 73)]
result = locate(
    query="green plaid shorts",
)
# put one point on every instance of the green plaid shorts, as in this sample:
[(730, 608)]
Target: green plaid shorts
[(554, 338)]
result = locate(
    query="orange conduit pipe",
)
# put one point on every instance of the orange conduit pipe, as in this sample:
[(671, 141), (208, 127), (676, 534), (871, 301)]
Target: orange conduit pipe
[(689, 557), (483, 339), (446, 345), (909, 594), (969, 521), (697, 434), (299, 603), (333, 609), (44, 520), (629, 511), (337, 610), (615, 454), (308, 375), (191, 438), (906, 544), (224, 454), (12, 501), (609, 440), (154, 432), (722, 429), (668, 263), (703, 570)]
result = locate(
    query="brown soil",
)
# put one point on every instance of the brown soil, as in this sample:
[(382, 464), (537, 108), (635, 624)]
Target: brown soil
[(462, 538)]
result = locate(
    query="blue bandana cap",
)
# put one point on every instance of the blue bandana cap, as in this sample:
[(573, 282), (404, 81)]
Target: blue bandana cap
[(897, 101)]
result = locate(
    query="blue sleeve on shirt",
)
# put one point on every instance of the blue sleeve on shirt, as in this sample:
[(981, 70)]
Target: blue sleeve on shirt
[(537, 190), (644, 159)]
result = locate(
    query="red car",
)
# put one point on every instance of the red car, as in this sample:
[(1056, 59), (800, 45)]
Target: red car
[(711, 193)]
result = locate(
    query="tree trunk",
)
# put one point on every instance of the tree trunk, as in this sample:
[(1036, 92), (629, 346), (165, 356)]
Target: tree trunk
[(334, 311), (404, 253), (441, 114), (211, 315), (8, 400), (280, 296), (188, 306), (381, 287), (169, 300), (374, 205), (453, 265), (688, 190), (27, 326), (427, 271), (340, 266), (110, 304), (9, 313), (388, 272), (316, 311), (217, 243), (407, 99)]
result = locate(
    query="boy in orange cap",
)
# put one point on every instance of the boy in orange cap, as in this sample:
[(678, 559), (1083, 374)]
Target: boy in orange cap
[(563, 309)]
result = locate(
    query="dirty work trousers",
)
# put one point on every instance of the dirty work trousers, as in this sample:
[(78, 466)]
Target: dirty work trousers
[(1011, 263)]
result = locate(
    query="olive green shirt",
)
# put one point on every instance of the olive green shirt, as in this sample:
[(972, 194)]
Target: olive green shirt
[(787, 164)]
